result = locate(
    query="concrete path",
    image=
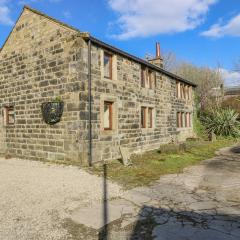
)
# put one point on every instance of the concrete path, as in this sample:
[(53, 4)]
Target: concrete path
[(201, 203)]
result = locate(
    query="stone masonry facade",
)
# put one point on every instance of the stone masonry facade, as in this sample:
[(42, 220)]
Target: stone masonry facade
[(43, 59)]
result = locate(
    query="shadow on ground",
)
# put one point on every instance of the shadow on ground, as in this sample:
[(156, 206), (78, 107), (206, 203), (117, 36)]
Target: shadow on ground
[(162, 224), (235, 149), (202, 203)]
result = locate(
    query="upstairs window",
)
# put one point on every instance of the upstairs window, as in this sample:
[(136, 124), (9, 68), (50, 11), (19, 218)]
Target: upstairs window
[(183, 91), (187, 92), (151, 79), (107, 65), (148, 78), (178, 89), (143, 76), (9, 115)]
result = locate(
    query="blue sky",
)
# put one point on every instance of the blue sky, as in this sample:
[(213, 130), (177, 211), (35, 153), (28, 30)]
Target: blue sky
[(204, 32)]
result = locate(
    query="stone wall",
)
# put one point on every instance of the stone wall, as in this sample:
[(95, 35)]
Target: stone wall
[(43, 59), (128, 96)]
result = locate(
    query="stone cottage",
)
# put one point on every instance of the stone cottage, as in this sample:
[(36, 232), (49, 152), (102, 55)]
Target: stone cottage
[(111, 98)]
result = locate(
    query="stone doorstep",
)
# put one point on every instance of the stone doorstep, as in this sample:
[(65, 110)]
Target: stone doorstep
[(93, 216)]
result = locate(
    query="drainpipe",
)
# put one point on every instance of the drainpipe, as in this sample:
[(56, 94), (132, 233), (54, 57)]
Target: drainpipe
[(90, 102)]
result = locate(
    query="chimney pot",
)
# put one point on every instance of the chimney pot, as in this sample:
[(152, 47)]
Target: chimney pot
[(158, 53)]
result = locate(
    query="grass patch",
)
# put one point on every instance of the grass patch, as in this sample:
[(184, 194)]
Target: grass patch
[(149, 166)]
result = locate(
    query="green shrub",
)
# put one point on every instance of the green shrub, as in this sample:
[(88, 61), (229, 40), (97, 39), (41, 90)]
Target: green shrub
[(222, 122), (233, 103), (57, 99), (199, 128)]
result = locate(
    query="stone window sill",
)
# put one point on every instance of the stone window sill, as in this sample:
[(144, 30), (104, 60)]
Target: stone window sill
[(108, 132), (147, 130), (108, 80), (184, 128)]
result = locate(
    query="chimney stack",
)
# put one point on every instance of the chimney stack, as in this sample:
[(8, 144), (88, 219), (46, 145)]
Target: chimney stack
[(158, 61), (158, 52)]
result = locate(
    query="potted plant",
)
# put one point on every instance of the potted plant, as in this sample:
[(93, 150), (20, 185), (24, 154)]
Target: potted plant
[(52, 111)]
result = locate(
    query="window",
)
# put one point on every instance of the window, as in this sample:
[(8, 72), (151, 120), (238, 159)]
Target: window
[(183, 91), (150, 117), (148, 78), (151, 79), (190, 93), (183, 119), (188, 119), (187, 92), (9, 115), (143, 117), (143, 76), (107, 65), (147, 117), (179, 119), (107, 118), (178, 90)]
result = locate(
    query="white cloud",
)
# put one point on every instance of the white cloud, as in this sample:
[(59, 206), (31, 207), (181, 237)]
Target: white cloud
[(151, 17), (67, 14), (232, 28), (231, 78), (5, 18)]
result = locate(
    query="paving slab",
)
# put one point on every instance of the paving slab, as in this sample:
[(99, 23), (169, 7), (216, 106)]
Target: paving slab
[(94, 216), (136, 197), (202, 205)]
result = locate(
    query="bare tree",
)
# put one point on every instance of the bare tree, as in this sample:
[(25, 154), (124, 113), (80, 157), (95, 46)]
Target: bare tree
[(210, 84), (209, 92), (170, 61)]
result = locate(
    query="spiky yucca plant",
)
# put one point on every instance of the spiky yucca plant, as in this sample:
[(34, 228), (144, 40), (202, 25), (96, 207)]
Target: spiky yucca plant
[(222, 122)]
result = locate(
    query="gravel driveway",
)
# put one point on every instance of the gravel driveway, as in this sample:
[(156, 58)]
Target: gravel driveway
[(36, 198), (51, 202)]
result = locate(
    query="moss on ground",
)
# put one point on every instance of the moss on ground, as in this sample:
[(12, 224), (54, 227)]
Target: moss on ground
[(149, 166)]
